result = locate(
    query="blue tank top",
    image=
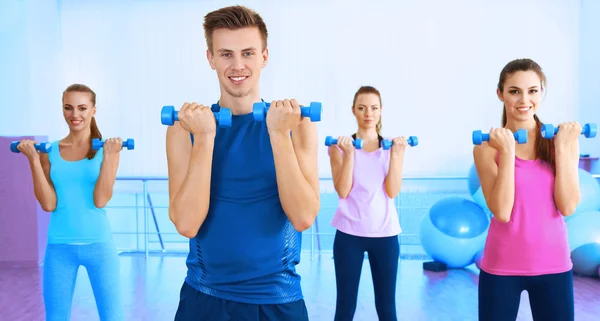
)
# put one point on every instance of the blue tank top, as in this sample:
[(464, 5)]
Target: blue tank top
[(76, 219), (246, 250)]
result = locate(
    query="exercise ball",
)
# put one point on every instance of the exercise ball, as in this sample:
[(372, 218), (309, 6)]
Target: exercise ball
[(589, 191), (584, 242), (479, 199), (476, 191), (473, 180), (454, 231), (478, 258)]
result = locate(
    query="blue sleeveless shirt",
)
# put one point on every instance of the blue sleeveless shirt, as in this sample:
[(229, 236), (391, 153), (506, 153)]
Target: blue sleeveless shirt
[(246, 250), (76, 218)]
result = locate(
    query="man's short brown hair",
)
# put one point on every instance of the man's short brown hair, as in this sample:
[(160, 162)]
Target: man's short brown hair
[(233, 18)]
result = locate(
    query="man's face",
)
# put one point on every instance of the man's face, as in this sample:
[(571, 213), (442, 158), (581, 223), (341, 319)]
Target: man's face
[(238, 59)]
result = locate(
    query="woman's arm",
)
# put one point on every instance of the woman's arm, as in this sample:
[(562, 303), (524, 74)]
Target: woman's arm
[(342, 167), (393, 180), (566, 185), (39, 164), (42, 185), (103, 190), (497, 181)]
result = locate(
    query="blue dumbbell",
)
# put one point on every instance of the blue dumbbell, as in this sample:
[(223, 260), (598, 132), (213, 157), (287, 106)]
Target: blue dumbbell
[(412, 141), (44, 147), (358, 143), (588, 130), (478, 137), (314, 111), (97, 144), (168, 116)]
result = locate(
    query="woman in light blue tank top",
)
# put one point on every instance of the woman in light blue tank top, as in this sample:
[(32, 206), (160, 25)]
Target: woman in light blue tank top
[(74, 183)]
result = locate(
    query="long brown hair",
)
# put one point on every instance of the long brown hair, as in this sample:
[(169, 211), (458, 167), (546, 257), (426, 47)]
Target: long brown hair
[(544, 148), (369, 90), (95, 132)]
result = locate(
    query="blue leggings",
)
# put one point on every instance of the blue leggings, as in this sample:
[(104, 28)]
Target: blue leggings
[(550, 296), (101, 262), (348, 257)]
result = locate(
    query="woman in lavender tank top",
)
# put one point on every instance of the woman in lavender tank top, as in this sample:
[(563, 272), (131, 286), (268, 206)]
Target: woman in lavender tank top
[(529, 188), (367, 180)]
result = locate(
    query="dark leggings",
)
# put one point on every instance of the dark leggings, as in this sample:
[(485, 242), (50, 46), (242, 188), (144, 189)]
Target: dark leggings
[(550, 296), (197, 306), (348, 257)]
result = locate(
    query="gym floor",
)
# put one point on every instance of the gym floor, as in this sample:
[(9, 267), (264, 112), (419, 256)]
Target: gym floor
[(151, 289)]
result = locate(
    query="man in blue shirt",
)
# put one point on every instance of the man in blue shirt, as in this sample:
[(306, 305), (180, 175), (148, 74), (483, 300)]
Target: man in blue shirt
[(242, 194)]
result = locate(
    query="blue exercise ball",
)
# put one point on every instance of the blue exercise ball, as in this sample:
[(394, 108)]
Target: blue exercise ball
[(454, 231), (586, 259), (589, 191), (473, 180), (476, 191), (479, 199), (584, 242), (478, 259)]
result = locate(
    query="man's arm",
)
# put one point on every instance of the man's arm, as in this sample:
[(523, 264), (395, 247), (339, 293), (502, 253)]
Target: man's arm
[(189, 179), (296, 167)]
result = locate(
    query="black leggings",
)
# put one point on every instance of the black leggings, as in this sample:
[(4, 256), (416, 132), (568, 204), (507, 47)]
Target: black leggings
[(550, 296), (348, 257)]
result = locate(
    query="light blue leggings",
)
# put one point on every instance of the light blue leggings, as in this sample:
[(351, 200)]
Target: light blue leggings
[(101, 262)]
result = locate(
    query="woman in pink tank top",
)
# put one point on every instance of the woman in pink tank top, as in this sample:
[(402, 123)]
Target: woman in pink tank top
[(367, 180), (529, 188)]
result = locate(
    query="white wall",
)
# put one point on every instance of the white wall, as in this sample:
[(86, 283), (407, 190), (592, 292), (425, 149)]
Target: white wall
[(29, 67), (14, 68), (589, 74), (435, 62)]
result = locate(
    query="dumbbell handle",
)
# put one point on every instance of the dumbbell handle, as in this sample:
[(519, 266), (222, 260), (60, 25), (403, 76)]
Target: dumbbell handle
[(44, 147), (486, 137), (329, 140), (589, 130), (97, 144), (176, 115), (412, 141), (314, 111), (304, 110), (168, 116), (478, 137)]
